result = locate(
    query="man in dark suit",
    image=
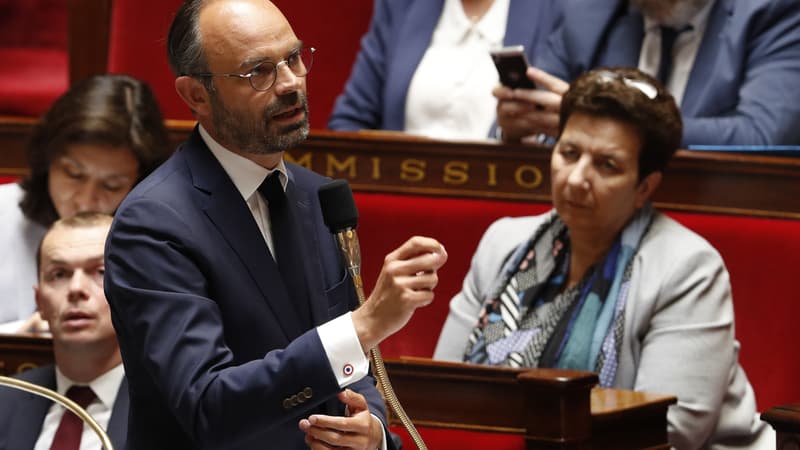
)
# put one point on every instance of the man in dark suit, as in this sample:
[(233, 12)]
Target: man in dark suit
[(225, 346), (733, 66), (70, 298)]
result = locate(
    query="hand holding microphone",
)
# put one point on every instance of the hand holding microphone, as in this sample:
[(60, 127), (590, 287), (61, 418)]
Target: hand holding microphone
[(406, 280)]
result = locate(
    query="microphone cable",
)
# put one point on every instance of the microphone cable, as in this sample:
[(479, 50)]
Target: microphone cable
[(341, 216)]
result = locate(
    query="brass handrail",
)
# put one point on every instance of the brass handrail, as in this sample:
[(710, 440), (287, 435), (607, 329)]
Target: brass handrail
[(63, 401)]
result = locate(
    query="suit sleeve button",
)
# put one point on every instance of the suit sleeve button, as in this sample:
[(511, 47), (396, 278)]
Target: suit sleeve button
[(308, 392), (287, 404)]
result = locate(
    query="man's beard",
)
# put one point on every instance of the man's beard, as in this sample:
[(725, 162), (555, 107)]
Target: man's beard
[(674, 13), (247, 134)]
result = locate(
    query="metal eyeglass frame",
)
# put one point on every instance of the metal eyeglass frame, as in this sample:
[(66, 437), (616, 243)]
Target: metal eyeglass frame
[(249, 75)]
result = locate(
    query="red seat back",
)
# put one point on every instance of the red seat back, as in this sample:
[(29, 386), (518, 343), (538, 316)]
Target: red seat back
[(762, 256), (138, 47)]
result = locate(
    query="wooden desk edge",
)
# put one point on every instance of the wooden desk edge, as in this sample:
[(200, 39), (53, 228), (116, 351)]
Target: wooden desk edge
[(785, 418)]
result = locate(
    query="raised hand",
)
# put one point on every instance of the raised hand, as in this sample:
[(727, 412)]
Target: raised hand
[(406, 282)]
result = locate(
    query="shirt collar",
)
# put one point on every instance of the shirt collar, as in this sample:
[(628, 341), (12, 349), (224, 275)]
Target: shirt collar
[(106, 386), (246, 175), (697, 23), (491, 27)]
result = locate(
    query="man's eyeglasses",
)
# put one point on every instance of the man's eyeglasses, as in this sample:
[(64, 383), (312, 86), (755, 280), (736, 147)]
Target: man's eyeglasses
[(607, 76), (263, 76)]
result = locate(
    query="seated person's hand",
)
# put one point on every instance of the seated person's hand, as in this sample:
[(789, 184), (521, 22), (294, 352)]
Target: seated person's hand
[(35, 324), (359, 430), (529, 112)]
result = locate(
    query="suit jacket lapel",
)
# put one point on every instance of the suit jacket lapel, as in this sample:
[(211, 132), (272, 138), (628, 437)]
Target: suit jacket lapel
[(224, 206), (529, 23), (118, 423), (518, 28), (413, 38), (709, 51), (27, 422), (301, 204), (622, 40)]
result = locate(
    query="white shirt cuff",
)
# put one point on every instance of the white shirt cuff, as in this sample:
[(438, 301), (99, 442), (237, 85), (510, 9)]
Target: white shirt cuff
[(384, 445), (343, 349)]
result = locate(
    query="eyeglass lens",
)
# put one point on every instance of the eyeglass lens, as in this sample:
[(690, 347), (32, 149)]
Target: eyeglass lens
[(263, 76)]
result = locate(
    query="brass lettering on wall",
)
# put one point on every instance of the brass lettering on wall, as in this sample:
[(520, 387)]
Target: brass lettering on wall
[(413, 170), (456, 172), (376, 168), (334, 166), (422, 172), (492, 174), (523, 176), (304, 160), (26, 366)]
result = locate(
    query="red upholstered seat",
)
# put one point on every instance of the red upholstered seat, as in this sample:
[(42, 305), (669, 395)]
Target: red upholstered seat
[(762, 256), (33, 51), (440, 438), (386, 221), (8, 179), (31, 79)]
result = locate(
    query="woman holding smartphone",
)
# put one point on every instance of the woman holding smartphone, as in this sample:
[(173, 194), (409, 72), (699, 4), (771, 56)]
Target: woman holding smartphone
[(425, 68)]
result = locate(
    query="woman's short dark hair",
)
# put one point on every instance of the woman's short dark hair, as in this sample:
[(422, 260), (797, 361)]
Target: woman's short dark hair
[(114, 110), (636, 98)]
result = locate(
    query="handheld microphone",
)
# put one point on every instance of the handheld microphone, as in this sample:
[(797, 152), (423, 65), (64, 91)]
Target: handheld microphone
[(340, 215)]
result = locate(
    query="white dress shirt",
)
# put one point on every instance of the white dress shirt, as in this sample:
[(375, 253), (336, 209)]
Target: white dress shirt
[(105, 386), (450, 94), (683, 53)]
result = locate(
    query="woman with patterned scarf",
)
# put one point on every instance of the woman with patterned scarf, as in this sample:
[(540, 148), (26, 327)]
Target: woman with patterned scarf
[(605, 283)]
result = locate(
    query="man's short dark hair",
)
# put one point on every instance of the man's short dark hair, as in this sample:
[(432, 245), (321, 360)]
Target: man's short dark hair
[(633, 97), (184, 42)]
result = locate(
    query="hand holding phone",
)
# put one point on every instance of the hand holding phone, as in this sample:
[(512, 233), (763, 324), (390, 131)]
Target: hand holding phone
[(512, 65)]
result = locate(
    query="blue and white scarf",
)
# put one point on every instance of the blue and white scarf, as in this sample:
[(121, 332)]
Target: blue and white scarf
[(528, 319)]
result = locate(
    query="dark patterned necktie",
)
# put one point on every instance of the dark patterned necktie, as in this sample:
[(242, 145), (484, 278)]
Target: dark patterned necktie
[(70, 429), (287, 245), (668, 37)]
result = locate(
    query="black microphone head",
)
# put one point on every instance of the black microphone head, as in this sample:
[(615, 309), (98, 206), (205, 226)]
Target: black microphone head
[(338, 206)]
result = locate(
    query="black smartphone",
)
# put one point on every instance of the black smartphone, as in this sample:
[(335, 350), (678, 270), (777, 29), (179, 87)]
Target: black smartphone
[(512, 64)]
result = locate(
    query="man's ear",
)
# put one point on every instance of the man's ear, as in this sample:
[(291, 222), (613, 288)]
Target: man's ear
[(194, 94), (646, 187), (40, 303)]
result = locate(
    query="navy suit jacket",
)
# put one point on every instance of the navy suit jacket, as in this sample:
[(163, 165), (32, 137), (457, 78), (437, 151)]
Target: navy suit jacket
[(23, 413), (213, 349), (744, 88), (399, 34)]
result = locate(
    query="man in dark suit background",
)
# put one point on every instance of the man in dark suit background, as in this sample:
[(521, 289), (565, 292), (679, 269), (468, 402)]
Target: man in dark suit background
[(225, 346), (733, 66), (70, 298)]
